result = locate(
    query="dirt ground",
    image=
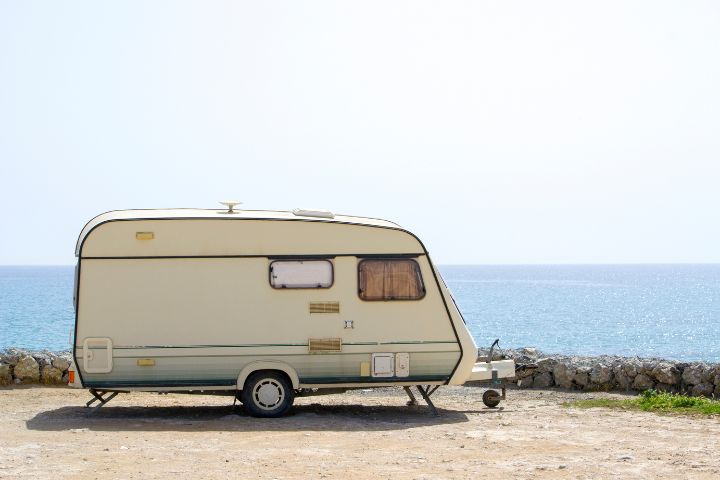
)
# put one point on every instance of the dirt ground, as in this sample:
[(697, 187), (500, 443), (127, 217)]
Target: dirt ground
[(47, 433)]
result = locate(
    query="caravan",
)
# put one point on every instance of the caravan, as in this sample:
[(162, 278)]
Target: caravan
[(264, 306)]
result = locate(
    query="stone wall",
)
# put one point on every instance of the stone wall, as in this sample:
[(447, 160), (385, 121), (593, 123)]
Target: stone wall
[(23, 367), (605, 373), (535, 370)]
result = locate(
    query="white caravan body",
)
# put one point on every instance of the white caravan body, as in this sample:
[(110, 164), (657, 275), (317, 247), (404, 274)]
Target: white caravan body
[(189, 300)]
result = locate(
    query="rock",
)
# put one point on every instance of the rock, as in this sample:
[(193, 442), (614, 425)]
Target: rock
[(696, 374), (61, 363), (522, 360), (5, 375), (716, 376), (622, 379), (27, 370), (525, 355), (563, 375), (665, 387), (702, 390), (643, 382), (530, 352), (543, 380), (524, 373), (43, 358), (647, 366), (50, 375), (666, 373), (601, 375), (13, 356), (546, 365), (526, 382), (631, 368), (582, 377)]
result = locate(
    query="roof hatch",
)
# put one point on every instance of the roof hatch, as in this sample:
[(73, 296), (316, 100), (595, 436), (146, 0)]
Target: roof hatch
[(313, 212)]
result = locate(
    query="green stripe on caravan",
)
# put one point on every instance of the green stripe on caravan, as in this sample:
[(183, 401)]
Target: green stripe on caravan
[(256, 345)]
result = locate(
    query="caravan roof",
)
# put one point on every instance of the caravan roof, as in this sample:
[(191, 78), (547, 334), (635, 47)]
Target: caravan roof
[(194, 213)]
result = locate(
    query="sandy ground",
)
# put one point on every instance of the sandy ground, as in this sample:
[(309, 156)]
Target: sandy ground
[(47, 433)]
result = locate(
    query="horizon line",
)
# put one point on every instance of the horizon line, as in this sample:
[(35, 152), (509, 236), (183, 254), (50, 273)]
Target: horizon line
[(493, 264)]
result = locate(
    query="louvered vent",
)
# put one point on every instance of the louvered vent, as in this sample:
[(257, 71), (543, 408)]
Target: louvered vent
[(325, 345), (324, 307)]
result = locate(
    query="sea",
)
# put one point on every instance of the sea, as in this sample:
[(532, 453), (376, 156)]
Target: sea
[(667, 311)]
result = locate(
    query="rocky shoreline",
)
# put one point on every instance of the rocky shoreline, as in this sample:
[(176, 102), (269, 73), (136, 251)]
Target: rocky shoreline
[(610, 373), (19, 366), (535, 370)]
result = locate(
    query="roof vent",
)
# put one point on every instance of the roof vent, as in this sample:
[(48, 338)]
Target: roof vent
[(230, 204), (310, 212)]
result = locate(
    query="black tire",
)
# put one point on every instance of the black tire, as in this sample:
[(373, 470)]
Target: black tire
[(267, 394), (491, 398)]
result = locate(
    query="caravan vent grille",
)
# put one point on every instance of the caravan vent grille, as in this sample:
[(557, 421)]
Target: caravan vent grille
[(324, 307), (324, 345)]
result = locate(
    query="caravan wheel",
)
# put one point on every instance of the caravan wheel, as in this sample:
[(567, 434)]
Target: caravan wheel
[(491, 398), (267, 394)]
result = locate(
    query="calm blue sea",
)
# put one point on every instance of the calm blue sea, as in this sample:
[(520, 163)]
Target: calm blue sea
[(670, 311)]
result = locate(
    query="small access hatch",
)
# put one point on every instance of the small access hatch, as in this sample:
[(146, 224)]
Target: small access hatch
[(383, 364), (97, 355), (312, 212), (402, 364)]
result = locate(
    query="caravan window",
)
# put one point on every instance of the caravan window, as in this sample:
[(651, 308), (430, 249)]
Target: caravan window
[(301, 274), (390, 279)]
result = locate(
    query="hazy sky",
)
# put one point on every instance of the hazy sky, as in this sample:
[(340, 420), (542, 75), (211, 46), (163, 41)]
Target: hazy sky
[(499, 132)]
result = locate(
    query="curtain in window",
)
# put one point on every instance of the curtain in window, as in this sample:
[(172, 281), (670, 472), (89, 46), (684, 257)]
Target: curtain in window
[(390, 280)]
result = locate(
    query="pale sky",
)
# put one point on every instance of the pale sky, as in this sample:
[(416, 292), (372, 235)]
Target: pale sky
[(499, 132)]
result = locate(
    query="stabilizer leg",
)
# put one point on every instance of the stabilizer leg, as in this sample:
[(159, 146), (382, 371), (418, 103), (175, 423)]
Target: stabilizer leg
[(426, 392), (413, 400), (99, 396)]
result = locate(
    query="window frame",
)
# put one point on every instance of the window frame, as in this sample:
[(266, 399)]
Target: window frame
[(385, 259), (299, 259)]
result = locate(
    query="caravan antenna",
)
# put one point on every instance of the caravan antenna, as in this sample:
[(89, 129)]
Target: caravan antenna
[(230, 204)]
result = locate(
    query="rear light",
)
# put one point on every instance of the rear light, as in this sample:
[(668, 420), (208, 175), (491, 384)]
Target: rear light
[(71, 376)]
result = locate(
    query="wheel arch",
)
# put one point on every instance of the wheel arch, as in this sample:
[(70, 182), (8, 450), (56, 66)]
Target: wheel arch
[(253, 367)]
